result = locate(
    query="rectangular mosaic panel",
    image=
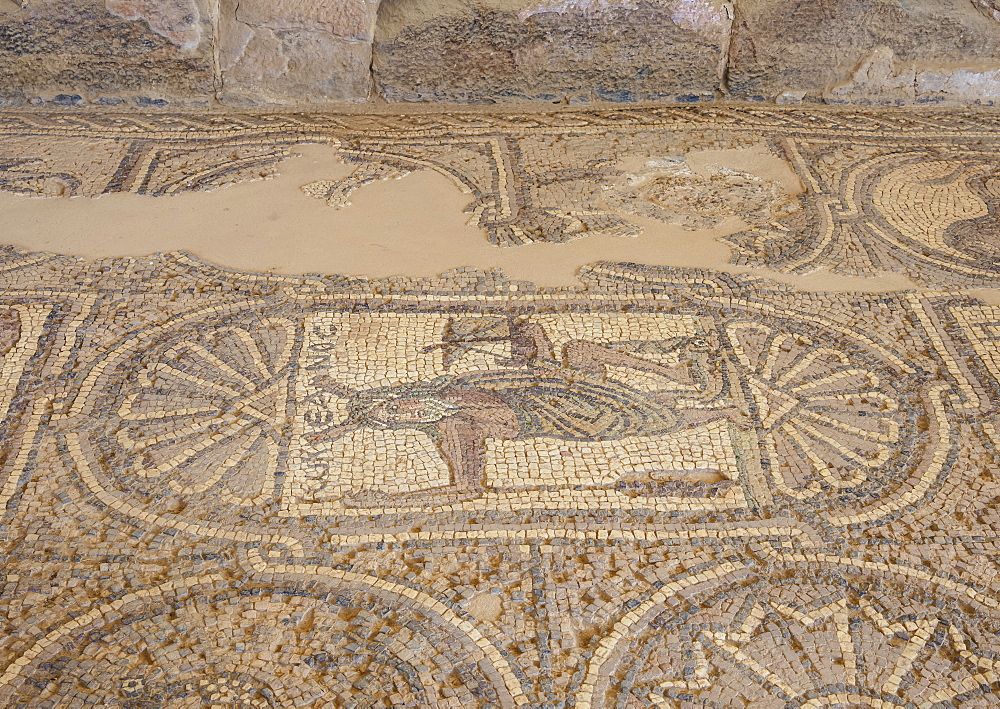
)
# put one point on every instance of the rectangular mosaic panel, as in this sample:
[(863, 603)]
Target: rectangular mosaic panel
[(662, 487), (516, 490), (361, 364)]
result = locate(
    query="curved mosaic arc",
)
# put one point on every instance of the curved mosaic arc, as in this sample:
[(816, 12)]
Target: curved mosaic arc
[(357, 638), (931, 214), (502, 670), (814, 630)]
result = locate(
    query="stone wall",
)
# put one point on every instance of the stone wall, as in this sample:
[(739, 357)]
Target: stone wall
[(255, 52)]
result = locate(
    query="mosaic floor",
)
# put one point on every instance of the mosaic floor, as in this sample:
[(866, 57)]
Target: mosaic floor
[(663, 487)]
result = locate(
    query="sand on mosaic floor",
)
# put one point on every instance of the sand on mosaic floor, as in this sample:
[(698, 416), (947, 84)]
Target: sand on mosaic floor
[(414, 226), (671, 487)]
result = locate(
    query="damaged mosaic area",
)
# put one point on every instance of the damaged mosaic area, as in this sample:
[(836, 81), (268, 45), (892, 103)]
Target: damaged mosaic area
[(660, 488), (891, 190)]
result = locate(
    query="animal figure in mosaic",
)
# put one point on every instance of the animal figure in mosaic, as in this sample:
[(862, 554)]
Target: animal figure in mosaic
[(10, 330), (536, 395)]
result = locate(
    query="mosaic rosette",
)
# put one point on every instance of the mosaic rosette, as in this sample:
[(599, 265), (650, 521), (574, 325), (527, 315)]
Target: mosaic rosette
[(207, 412), (660, 488), (204, 410), (830, 421)]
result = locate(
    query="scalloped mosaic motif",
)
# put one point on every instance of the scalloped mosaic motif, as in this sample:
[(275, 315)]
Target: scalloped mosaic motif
[(662, 488)]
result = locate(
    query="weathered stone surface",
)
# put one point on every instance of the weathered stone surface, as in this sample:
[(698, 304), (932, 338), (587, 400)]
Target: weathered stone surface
[(86, 50), (348, 19), (497, 50), (880, 79), (298, 50), (253, 52), (869, 51), (177, 20), (990, 7)]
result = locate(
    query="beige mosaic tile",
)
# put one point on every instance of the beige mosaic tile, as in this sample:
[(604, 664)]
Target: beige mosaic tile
[(273, 491), (660, 488)]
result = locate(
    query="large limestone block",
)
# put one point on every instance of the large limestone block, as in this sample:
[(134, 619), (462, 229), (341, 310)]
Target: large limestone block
[(865, 51), (881, 79), (80, 50), (990, 7), (481, 51), (295, 50)]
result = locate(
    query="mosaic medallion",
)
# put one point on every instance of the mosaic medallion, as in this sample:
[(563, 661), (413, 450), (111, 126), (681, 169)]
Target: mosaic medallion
[(660, 487)]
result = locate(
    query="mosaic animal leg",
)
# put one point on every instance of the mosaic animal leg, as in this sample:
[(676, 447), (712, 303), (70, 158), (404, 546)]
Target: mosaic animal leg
[(462, 443)]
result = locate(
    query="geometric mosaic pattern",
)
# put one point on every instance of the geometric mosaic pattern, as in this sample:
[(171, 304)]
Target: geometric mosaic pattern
[(668, 488), (662, 488), (927, 212), (905, 191)]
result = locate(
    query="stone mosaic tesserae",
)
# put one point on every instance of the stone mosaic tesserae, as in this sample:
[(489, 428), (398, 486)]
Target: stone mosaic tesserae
[(657, 487)]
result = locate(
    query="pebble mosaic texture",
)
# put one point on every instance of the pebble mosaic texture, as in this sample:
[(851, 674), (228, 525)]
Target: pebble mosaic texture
[(662, 488)]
